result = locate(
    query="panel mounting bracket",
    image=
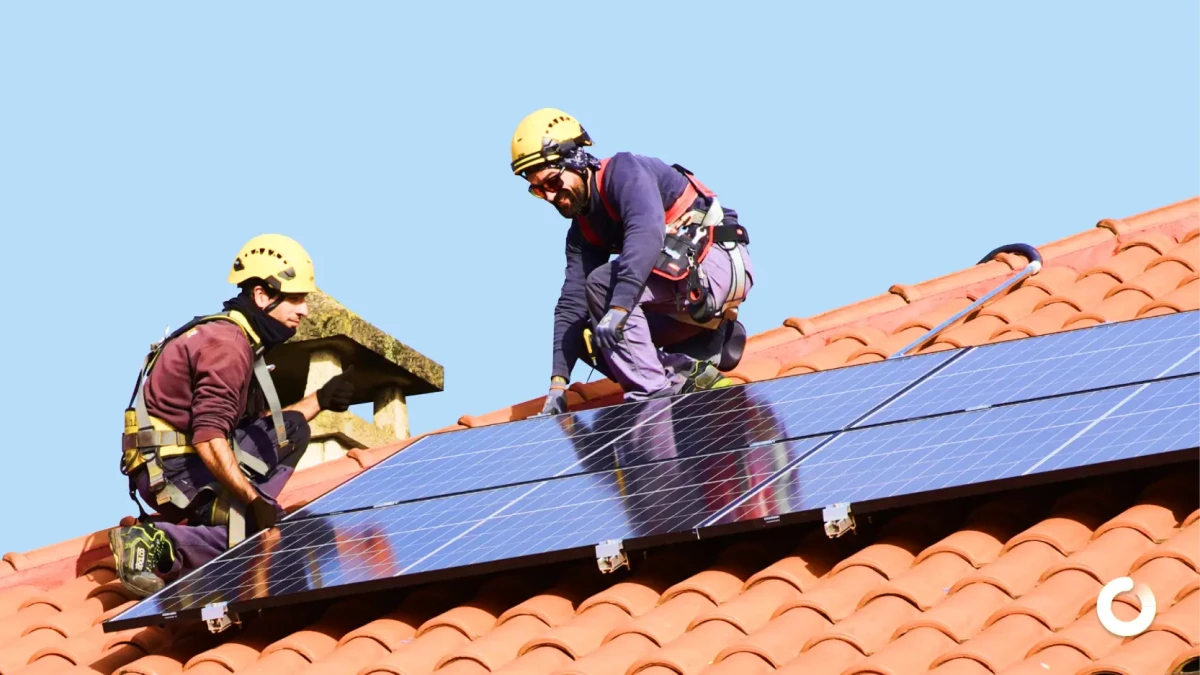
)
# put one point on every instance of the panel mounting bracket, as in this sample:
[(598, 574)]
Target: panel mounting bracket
[(610, 556), (838, 519), (218, 617)]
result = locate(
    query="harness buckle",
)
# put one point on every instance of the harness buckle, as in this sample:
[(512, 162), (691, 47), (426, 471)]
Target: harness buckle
[(147, 438)]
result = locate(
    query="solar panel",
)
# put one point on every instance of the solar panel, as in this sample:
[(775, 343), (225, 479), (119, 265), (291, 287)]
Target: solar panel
[(1161, 416), (489, 456), (691, 425), (651, 500), (1103, 356), (997, 443), (324, 552), (555, 487), (348, 552)]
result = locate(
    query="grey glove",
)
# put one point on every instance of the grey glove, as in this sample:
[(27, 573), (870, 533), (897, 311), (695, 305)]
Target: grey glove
[(607, 334), (556, 400)]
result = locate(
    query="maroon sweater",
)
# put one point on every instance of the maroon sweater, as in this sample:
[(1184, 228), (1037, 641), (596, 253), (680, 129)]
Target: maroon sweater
[(201, 381)]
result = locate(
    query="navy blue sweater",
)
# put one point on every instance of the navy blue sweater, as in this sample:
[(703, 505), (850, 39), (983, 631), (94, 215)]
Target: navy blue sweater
[(640, 190)]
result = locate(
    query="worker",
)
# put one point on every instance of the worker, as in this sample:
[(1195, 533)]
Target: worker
[(663, 314), (203, 445)]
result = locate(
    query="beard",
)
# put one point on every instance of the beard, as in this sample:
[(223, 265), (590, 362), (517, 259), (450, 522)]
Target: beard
[(571, 203)]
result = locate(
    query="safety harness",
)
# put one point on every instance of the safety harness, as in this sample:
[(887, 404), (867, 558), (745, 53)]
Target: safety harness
[(690, 234), (147, 439)]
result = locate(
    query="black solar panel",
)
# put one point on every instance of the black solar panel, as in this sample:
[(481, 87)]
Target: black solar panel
[(691, 425), (1072, 361)]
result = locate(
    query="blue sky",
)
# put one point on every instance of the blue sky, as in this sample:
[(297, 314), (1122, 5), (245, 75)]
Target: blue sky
[(863, 144)]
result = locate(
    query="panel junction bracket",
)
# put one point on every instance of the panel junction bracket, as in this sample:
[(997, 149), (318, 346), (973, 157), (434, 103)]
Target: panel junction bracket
[(218, 617), (610, 556), (838, 519)]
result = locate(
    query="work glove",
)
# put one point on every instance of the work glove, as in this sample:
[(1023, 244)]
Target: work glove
[(338, 393), (606, 331), (266, 513), (556, 400)]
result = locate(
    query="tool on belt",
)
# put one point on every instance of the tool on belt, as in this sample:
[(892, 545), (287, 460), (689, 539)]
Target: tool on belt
[(147, 439), (690, 235)]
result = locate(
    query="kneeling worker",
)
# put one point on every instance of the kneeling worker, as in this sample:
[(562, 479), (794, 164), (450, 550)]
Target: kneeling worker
[(198, 444), (663, 312)]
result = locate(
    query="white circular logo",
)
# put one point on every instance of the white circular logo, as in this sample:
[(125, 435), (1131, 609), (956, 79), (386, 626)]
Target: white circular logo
[(1110, 621)]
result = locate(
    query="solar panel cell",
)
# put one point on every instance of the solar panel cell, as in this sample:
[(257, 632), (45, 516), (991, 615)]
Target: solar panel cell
[(1055, 364), (998, 443)]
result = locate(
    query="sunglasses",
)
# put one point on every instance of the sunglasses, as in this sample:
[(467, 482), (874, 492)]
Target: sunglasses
[(552, 184)]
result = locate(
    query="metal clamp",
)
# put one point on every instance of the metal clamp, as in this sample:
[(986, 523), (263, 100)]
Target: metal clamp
[(218, 617), (610, 556), (838, 519)]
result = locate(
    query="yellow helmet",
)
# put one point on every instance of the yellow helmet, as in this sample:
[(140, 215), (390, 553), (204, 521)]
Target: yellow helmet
[(543, 136), (278, 260)]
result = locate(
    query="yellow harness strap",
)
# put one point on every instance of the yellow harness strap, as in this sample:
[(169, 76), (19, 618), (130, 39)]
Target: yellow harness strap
[(147, 440)]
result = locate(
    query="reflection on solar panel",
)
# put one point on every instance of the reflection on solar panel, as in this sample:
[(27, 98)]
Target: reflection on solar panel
[(700, 423), (490, 456), (375, 545), (1003, 442), (556, 487), (1059, 363)]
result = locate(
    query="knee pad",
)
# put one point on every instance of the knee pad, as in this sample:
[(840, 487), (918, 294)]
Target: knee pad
[(298, 430), (733, 347)]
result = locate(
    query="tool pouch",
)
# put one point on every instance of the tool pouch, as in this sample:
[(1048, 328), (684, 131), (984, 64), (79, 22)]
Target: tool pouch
[(674, 260)]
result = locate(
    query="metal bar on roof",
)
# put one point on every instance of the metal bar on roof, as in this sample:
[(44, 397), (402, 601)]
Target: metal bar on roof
[(1034, 266)]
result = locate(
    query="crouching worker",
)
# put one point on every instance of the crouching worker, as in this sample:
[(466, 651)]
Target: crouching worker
[(199, 447), (663, 313)]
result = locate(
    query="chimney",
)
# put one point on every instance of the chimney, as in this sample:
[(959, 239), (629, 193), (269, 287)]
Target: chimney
[(386, 372)]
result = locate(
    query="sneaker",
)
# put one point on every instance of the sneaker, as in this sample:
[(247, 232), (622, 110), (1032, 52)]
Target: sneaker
[(704, 375), (139, 550)]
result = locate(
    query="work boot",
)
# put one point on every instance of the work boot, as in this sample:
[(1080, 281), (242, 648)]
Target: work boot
[(140, 551), (702, 376)]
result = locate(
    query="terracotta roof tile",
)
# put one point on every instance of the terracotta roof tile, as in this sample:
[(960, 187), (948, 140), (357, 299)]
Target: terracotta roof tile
[(927, 583), (1151, 652), (1181, 619), (912, 653), (872, 626), (691, 652), (828, 657), (781, 639), (1001, 644), (1184, 547), (579, 636), (1009, 308), (1010, 588)]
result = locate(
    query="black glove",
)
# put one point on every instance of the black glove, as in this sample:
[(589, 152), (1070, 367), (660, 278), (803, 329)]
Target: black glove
[(338, 393), (265, 513)]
